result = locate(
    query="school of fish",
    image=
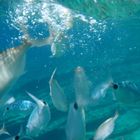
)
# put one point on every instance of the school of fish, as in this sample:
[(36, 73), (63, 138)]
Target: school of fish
[(38, 111)]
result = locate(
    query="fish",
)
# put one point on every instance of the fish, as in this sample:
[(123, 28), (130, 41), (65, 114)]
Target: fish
[(106, 128), (21, 105), (18, 108), (39, 118), (82, 87), (99, 9), (75, 126), (100, 91), (57, 94), (3, 130), (12, 63), (126, 93)]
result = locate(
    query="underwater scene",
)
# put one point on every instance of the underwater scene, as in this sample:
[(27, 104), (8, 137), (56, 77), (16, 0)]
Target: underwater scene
[(69, 69)]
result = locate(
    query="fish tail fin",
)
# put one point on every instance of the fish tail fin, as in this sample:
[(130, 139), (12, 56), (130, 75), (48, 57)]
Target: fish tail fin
[(28, 41), (39, 42)]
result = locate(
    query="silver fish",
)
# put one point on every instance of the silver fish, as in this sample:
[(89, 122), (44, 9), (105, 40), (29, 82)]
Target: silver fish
[(100, 91), (39, 118), (82, 87), (20, 107), (126, 93), (58, 97), (12, 63), (106, 128), (75, 126)]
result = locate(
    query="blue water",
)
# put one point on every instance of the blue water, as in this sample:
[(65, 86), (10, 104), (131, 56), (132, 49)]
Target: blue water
[(112, 51)]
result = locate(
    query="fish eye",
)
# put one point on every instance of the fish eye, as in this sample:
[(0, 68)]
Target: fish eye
[(75, 105), (17, 137), (115, 86), (7, 108), (44, 102)]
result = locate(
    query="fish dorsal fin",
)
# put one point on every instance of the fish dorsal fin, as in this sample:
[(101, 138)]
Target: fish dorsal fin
[(52, 76), (3, 130), (38, 101)]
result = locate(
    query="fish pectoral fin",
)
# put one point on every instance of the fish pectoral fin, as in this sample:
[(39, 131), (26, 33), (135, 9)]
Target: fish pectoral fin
[(38, 101), (4, 130), (41, 42)]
